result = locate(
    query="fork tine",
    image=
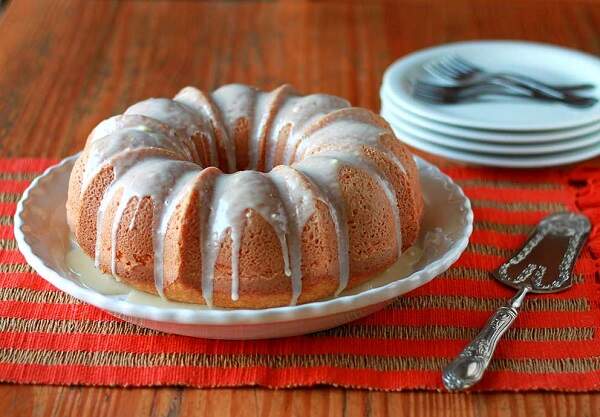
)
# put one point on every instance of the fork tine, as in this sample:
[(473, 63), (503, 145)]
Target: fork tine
[(436, 95), (464, 63), (448, 67), (434, 92), (431, 68), (453, 69), (457, 62), (439, 68), (458, 65)]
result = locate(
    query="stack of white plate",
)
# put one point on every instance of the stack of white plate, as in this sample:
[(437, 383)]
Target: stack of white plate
[(498, 131)]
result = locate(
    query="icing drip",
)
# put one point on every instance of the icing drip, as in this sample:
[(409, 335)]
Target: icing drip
[(323, 172), (351, 131), (178, 116), (121, 122), (235, 196), (355, 158), (299, 204), (350, 126), (103, 149), (300, 112), (106, 199), (259, 122), (120, 163), (269, 105), (236, 101), (164, 211), (160, 180), (203, 106)]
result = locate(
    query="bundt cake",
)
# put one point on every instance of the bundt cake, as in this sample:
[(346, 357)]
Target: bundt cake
[(244, 198)]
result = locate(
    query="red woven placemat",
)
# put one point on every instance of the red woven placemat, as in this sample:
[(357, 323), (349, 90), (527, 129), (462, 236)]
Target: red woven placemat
[(48, 337)]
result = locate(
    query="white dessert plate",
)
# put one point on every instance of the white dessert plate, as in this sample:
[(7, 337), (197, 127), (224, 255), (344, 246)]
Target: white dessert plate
[(481, 135), (547, 63), (491, 148), (508, 161), (44, 239)]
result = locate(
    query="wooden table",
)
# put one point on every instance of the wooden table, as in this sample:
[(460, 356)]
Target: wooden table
[(65, 65)]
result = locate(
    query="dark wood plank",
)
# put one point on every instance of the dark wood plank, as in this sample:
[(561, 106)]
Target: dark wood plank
[(65, 65), (42, 401)]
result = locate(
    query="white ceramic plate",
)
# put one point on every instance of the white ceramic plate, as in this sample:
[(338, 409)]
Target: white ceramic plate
[(548, 63), (43, 237), (481, 135), (490, 148), (509, 161)]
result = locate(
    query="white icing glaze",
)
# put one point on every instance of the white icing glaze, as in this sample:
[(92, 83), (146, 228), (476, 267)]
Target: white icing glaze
[(301, 112), (90, 276), (121, 122), (235, 101), (299, 203), (103, 150), (164, 212), (153, 157), (82, 268), (323, 172), (259, 123), (160, 180), (350, 126), (203, 106), (178, 116), (234, 197), (170, 112), (355, 158)]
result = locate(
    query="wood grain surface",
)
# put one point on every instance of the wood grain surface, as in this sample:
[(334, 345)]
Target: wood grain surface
[(66, 65)]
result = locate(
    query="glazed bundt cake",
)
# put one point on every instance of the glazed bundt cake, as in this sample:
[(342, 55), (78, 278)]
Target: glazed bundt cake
[(244, 198)]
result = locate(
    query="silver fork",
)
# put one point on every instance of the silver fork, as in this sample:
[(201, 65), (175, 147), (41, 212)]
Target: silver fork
[(455, 68), (458, 93), (454, 94)]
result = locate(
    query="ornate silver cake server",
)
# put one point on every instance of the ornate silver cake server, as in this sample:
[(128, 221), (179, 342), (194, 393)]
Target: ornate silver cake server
[(543, 265)]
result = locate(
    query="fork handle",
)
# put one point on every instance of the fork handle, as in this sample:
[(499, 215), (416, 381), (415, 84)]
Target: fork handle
[(470, 365), (529, 81), (542, 91), (535, 87)]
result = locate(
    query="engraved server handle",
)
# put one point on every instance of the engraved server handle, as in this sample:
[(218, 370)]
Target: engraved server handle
[(468, 368)]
